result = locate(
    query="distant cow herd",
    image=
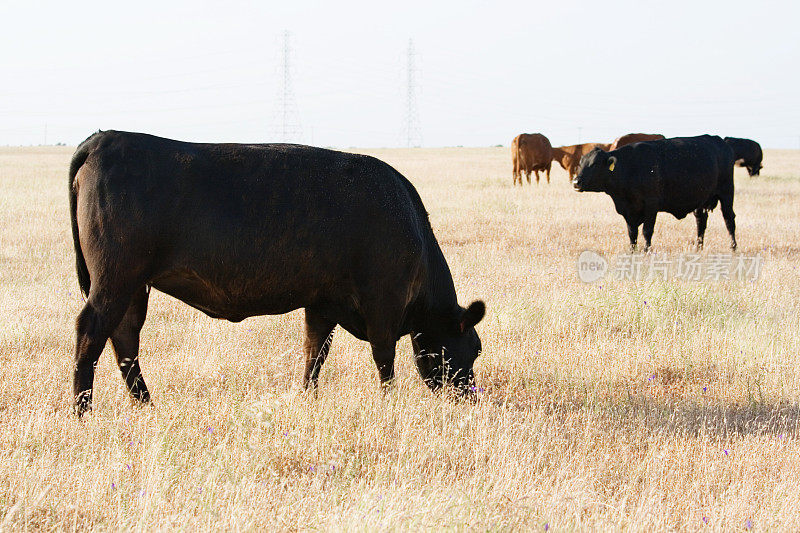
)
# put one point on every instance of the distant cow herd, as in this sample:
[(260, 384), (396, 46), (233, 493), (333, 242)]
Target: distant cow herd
[(646, 174), (532, 152), (244, 230)]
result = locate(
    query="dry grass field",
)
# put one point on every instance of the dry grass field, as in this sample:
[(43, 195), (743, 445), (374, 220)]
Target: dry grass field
[(636, 405)]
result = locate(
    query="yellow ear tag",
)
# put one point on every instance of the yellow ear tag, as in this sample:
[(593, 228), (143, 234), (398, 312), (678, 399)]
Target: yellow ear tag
[(612, 165)]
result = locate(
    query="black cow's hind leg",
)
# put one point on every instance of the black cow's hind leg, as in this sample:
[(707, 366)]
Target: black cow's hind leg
[(647, 230), (99, 317), (701, 215), (729, 216), (125, 340), (319, 333)]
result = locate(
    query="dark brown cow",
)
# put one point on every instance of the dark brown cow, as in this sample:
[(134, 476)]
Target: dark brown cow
[(240, 230), (531, 152), (569, 157), (631, 138)]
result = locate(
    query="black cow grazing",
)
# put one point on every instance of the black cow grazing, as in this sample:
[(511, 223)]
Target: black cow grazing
[(238, 230), (747, 153), (678, 176)]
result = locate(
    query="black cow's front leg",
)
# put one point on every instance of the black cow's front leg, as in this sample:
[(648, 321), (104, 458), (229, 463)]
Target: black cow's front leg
[(701, 215), (383, 318), (647, 229), (633, 231), (383, 354), (319, 333), (729, 216)]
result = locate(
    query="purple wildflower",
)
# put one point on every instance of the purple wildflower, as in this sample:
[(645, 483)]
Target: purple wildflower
[(705, 519), (726, 452), (546, 526), (113, 486), (748, 524)]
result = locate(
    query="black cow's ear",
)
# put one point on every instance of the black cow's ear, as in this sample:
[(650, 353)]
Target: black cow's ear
[(612, 162), (471, 315)]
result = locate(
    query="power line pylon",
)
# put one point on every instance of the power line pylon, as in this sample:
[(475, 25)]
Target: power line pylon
[(412, 133), (287, 122)]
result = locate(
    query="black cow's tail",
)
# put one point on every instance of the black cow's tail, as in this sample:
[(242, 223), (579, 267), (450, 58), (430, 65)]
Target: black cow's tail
[(78, 159)]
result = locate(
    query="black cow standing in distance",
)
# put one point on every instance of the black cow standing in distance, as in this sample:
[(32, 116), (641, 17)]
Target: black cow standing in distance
[(747, 153), (238, 230), (677, 176)]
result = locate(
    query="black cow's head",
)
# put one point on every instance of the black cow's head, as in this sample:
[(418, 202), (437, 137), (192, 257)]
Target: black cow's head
[(445, 352), (754, 170), (597, 168)]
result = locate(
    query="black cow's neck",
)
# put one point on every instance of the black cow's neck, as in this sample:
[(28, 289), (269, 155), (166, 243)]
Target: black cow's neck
[(437, 301)]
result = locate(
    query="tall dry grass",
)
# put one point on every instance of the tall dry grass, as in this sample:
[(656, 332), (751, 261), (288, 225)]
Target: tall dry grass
[(625, 405)]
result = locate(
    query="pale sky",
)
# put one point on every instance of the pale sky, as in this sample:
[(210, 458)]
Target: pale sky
[(575, 71)]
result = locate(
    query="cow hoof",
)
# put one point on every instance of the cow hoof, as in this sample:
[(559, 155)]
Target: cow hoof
[(79, 410), (136, 402)]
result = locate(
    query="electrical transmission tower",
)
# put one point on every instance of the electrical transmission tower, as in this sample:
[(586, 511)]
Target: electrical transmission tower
[(412, 133), (287, 120)]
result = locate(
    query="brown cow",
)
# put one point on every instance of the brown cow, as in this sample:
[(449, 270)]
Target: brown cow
[(531, 152), (631, 138), (569, 157)]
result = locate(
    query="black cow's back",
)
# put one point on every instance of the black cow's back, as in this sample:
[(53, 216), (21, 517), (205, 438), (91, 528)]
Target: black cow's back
[(240, 230), (676, 174)]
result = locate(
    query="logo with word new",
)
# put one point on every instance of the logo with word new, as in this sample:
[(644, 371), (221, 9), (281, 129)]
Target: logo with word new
[(591, 266)]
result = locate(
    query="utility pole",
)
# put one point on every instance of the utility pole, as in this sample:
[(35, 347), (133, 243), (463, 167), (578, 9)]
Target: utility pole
[(412, 132), (288, 119)]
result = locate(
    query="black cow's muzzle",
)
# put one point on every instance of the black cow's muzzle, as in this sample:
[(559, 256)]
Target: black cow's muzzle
[(463, 382)]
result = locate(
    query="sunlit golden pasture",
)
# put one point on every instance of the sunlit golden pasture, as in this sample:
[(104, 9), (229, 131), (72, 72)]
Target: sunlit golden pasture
[(638, 405)]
